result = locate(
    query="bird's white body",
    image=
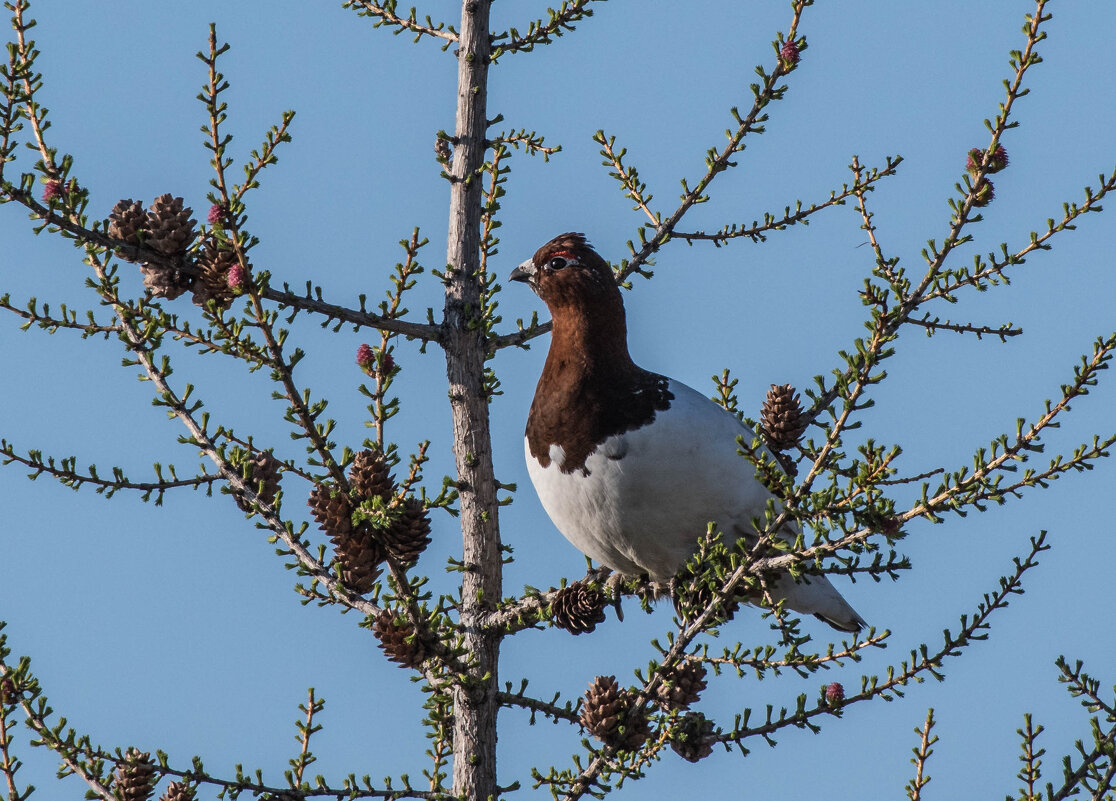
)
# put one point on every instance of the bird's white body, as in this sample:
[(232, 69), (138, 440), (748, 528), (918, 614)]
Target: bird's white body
[(649, 494)]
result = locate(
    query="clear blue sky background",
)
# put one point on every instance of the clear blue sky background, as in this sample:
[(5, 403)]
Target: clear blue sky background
[(176, 627)]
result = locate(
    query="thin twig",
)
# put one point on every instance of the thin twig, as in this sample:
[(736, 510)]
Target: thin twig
[(385, 13), (922, 754)]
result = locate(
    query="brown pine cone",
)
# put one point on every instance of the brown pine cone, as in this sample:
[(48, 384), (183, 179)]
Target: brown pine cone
[(782, 419), (578, 608), (135, 777), (170, 229), (696, 598), (265, 469), (332, 509), (681, 686), (126, 222), (165, 281), (178, 791), (604, 714), (398, 640), (408, 536), (370, 475), (359, 556), (212, 282), (693, 739)]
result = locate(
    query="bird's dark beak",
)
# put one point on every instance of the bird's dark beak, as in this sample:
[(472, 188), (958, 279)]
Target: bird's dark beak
[(524, 272)]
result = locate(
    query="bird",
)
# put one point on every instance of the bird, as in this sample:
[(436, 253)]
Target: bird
[(632, 466)]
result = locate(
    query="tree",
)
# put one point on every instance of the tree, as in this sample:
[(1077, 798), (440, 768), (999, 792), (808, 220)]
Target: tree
[(862, 495)]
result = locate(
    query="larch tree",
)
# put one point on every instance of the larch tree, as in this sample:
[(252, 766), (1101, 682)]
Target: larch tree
[(354, 520)]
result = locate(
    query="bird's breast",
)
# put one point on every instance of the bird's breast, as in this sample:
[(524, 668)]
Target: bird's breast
[(641, 499)]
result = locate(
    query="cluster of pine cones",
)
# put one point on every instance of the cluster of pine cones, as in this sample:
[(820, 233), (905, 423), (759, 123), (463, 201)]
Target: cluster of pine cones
[(167, 228), (395, 527), (607, 713), (135, 779), (983, 191), (361, 548)]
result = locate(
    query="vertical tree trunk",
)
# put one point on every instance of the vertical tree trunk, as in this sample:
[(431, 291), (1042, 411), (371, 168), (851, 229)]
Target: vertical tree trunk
[(475, 708)]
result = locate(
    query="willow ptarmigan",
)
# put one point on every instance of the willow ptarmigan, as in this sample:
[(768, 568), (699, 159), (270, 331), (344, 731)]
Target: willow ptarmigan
[(631, 466)]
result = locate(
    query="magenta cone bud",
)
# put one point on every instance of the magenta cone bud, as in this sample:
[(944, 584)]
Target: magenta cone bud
[(216, 214), (52, 190), (983, 193), (366, 358), (835, 693), (789, 53), (238, 278), (998, 161)]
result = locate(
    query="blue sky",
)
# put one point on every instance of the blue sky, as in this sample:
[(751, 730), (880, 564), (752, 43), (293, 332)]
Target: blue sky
[(176, 627)]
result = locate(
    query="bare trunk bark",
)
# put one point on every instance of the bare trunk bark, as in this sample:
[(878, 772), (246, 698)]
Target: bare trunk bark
[(475, 707)]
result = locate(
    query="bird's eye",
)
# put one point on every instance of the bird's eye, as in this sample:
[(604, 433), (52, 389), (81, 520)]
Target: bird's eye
[(557, 263)]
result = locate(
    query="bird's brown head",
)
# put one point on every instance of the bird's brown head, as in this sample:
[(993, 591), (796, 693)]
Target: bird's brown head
[(569, 276)]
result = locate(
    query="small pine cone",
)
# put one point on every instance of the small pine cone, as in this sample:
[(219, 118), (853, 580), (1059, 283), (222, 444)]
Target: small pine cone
[(999, 159), (165, 281), (359, 556), (603, 706), (681, 686), (398, 640), (604, 714), (983, 193), (442, 150), (265, 468), (178, 791), (126, 221), (135, 777), (578, 608), (371, 476), (789, 54), (782, 418), (637, 731), (333, 510), (699, 597), (996, 162), (408, 536), (170, 229), (693, 739), (212, 282)]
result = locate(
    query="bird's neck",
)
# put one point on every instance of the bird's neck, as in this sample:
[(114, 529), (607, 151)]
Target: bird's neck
[(589, 345)]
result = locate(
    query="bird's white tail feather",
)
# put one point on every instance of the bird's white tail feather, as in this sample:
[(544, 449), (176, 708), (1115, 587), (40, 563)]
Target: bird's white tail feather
[(814, 595)]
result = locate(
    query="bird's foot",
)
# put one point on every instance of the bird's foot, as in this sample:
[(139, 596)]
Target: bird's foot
[(613, 584)]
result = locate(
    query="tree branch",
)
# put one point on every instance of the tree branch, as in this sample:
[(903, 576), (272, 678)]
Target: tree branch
[(757, 231), (539, 32), (66, 473), (385, 14)]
